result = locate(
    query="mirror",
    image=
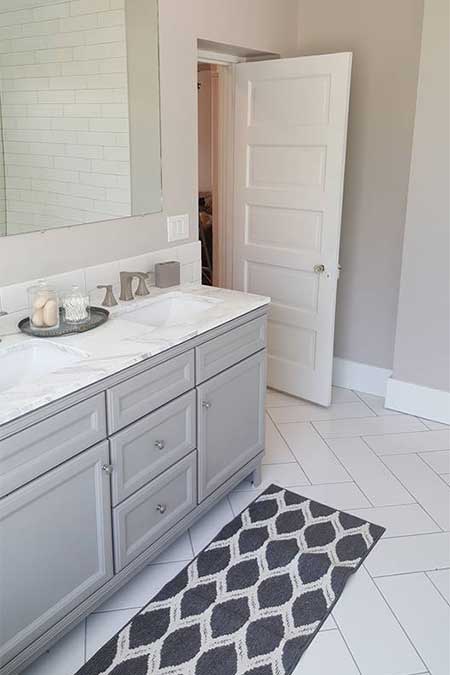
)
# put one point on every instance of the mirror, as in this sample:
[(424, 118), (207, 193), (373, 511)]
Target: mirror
[(80, 119)]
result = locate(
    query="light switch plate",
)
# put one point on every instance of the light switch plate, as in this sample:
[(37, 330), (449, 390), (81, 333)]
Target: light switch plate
[(178, 227)]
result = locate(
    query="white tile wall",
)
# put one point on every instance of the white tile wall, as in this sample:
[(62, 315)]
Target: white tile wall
[(64, 95), (13, 299)]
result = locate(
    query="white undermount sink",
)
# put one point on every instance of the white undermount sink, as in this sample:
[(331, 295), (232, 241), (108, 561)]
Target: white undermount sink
[(26, 362), (172, 309)]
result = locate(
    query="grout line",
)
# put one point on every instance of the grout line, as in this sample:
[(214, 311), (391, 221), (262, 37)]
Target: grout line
[(348, 646), (401, 625), (329, 419), (405, 536), (436, 587), (439, 475), (191, 543), (405, 574), (123, 609), (386, 433), (343, 466), (290, 450), (230, 505), (397, 619), (85, 640), (412, 495), (294, 461), (409, 452)]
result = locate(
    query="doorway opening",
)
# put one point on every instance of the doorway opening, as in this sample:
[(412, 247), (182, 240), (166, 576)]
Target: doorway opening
[(215, 83), (216, 73), (206, 76)]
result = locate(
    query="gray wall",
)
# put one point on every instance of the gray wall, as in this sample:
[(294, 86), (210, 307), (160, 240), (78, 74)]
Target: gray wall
[(384, 36), (265, 25), (423, 330)]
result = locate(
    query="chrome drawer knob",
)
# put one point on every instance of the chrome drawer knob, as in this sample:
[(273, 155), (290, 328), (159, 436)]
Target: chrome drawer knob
[(160, 445), (107, 468), (319, 269), (206, 404), (161, 508)]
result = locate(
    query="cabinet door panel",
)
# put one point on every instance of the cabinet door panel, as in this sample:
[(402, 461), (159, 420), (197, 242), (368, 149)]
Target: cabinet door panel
[(230, 422), (55, 547)]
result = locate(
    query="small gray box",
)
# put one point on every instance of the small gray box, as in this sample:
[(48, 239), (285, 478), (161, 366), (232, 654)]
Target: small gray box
[(167, 274)]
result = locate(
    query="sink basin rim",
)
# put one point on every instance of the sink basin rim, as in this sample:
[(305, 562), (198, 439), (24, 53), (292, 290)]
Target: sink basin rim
[(200, 304), (39, 364)]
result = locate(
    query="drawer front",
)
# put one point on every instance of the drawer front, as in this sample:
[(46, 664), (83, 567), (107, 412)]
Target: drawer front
[(43, 446), (140, 395), (147, 515), (224, 351), (145, 449)]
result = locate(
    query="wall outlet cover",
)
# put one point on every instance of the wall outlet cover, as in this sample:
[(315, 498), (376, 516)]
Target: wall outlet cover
[(178, 227)]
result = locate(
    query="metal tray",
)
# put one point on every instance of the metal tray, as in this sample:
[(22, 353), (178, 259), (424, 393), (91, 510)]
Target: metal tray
[(97, 317)]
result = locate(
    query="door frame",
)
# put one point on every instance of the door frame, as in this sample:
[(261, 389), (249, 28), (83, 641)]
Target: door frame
[(222, 139)]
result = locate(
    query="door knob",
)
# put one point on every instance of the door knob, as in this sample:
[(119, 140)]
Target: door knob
[(160, 445), (161, 508), (319, 269), (107, 468), (206, 404)]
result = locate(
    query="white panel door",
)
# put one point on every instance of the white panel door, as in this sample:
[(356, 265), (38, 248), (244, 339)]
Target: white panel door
[(290, 143)]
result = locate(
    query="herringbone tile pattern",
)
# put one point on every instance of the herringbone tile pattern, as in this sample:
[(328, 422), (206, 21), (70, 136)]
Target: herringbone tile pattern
[(393, 469)]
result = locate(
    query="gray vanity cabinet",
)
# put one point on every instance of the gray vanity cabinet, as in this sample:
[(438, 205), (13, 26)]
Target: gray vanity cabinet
[(230, 421), (55, 547), (93, 489)]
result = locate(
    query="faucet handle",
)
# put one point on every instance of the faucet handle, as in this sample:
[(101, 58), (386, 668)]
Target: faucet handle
[(142, 286), (109, 300)]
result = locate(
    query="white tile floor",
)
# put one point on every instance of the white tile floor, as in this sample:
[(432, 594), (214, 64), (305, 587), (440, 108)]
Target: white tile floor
[(393, 469)]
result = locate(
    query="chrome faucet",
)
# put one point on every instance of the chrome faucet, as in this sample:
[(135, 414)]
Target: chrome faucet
[(126, 285)]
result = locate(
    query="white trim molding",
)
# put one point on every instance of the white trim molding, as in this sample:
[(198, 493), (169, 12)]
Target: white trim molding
[(431, 404), (218, 58), (360, 376)]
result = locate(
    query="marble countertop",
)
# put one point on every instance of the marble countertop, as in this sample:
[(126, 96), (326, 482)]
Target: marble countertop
[(118, 344)]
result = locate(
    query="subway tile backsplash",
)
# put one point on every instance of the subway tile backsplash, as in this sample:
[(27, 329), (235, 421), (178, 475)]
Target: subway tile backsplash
[(14, 298), (65, 113)]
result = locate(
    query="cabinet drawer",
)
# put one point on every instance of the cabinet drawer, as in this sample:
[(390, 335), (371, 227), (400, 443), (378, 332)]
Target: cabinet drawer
[(143, 518), (41, 447), (140, 395), (145, 449), (224, 351)]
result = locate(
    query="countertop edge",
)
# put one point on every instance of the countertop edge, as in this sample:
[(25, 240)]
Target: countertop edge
[(58, 404)]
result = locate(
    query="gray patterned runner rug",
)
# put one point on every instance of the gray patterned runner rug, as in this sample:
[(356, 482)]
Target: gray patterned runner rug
[(252, 601)]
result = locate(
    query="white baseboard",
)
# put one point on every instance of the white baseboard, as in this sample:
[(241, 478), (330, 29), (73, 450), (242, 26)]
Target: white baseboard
[(431, 404), (360, 376)]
